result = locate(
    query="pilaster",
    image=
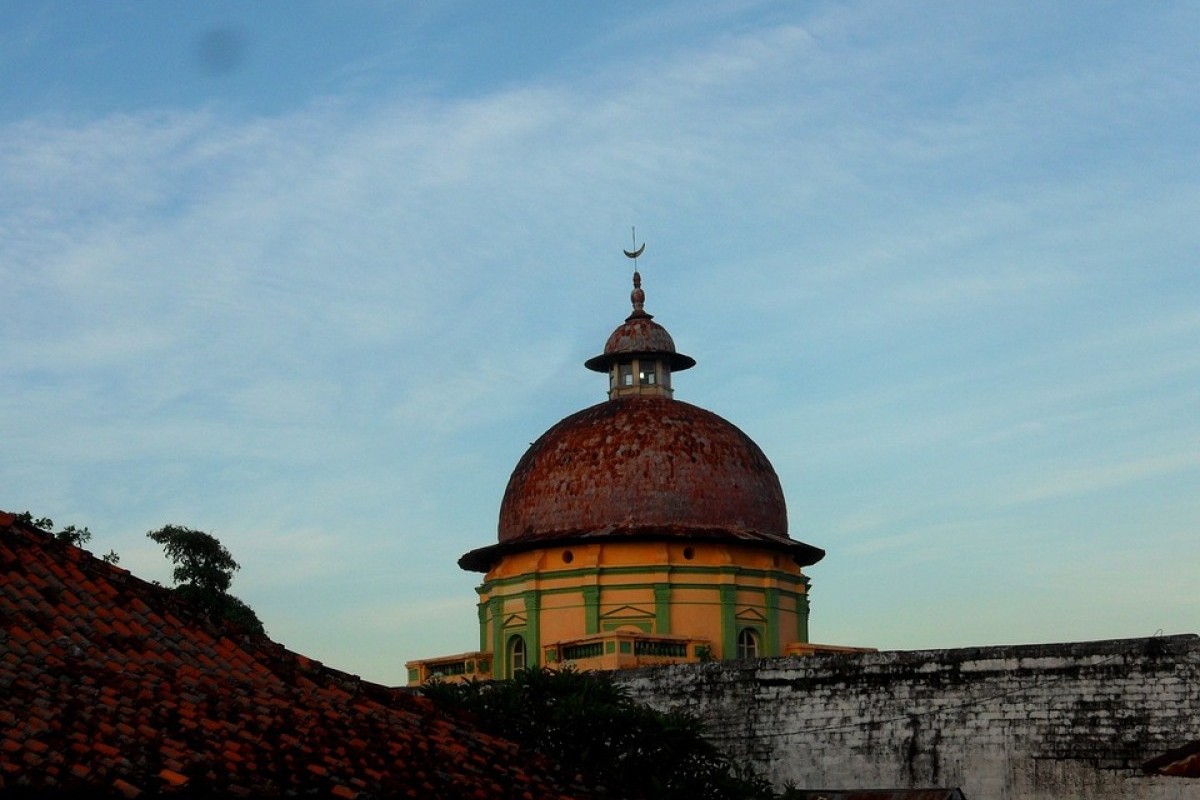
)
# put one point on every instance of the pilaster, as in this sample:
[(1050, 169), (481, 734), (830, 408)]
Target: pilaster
[(662, 608)]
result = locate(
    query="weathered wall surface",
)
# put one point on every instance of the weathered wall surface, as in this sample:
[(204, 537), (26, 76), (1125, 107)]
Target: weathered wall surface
[(1033, 722)]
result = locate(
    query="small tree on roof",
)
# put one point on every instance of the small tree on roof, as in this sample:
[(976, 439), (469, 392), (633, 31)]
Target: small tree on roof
[(203, 574), (76, 537)]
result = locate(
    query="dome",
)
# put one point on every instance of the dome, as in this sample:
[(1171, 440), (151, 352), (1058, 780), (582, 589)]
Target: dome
[(640, 335), (642, 468)]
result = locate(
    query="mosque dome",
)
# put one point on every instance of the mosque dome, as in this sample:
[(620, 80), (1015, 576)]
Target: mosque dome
[(639, 335), (642, 466)]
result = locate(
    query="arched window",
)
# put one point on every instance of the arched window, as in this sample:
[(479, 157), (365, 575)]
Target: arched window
[(516, 654), (747, 643)]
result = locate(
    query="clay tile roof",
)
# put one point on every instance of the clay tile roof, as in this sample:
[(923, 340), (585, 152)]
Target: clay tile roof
[(109, 686)]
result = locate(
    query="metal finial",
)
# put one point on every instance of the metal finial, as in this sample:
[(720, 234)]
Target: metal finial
[(637, 251), (637, 296)]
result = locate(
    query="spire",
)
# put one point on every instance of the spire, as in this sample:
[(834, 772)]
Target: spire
[(640, 355), (638, 297)]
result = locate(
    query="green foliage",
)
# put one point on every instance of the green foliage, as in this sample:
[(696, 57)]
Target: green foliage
[(592, 732), (200, 560), (43, 523), (203, 574), (76, 537)]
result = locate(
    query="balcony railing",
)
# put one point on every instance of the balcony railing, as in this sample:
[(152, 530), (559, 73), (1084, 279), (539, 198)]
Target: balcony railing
[(660, 648), (464, 667), (575, 652), (624, 650)]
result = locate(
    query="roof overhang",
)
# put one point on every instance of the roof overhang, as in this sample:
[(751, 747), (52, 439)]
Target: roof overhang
[(483, 559)]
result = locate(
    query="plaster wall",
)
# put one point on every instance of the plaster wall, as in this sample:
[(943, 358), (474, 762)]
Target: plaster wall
[(706, 591), (1033, 722)]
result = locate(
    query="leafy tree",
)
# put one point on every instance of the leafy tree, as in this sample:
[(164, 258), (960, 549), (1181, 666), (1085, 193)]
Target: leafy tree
[(592, 731), (203, 574)]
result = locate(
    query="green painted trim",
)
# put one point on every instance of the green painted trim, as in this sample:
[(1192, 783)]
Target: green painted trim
[(662, 608), (724, 596), (591, 608), (651, 586), (659, 569), (771, 634), (495, 611), (533, 649), (728, 620)]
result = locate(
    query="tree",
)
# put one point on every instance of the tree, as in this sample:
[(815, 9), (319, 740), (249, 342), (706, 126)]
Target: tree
[(592, 731), (203, 574)]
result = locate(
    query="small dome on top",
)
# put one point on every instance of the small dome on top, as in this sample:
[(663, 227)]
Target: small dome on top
[(639, 335)]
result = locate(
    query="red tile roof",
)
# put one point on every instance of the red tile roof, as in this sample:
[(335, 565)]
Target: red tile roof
[(111, 686)]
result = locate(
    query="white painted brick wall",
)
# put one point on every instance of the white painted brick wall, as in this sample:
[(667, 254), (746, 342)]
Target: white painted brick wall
[(1034, 722)]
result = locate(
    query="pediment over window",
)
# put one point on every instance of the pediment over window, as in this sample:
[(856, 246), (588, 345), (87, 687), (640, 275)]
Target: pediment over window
[(627, 612), (750, 615)]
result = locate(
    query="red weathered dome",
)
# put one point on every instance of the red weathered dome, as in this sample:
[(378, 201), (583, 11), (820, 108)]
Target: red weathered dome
[(644, 468), (640, 335)]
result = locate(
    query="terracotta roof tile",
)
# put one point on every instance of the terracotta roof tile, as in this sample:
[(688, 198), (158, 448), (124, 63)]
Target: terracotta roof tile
[(109, 686)]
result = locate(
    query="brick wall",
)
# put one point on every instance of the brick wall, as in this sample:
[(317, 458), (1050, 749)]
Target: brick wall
[(1032, 721)]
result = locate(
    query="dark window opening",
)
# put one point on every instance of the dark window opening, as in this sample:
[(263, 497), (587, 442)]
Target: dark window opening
[(516, 654), (747, 643)]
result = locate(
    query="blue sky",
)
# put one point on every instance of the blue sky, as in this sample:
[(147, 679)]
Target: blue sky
[(311, 276)]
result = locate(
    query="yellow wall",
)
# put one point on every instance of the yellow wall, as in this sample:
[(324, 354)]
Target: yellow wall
[(703, 591)]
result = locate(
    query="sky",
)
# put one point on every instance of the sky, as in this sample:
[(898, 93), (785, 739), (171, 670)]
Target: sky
[(311, 276)]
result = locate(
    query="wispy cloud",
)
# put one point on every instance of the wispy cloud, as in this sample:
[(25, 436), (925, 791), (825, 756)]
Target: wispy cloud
[(918, 276)]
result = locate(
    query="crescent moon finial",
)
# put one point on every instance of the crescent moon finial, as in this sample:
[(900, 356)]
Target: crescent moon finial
[(637, 296), (637, 251)]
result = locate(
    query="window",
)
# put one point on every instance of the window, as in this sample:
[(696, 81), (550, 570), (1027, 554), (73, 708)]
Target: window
[(516, 654), (626, 374), (747, 643), (646, 373)]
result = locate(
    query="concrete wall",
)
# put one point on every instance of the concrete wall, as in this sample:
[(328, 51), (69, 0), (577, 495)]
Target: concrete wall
[(1032, 721)]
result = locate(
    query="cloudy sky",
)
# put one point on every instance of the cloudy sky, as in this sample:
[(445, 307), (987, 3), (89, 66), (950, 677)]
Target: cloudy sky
[(311, 276)]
